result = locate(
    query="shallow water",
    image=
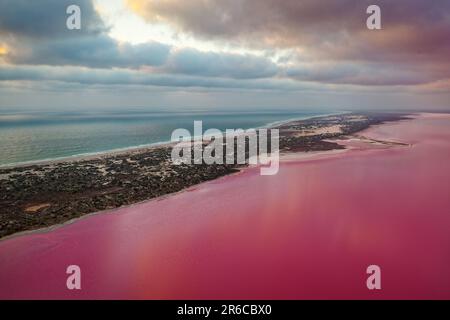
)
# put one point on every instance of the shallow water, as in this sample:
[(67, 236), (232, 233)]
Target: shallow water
[(308, 232), (26, 137)]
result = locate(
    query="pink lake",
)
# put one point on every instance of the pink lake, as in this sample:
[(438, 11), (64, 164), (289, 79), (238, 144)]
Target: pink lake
[(309, 232)]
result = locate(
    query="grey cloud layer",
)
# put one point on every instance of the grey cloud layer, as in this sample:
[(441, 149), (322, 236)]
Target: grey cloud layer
[(46, 18), (134, 77), (338, 26), (189, 61), (37, 34), (329, 38), (415, 32), (98, 51)]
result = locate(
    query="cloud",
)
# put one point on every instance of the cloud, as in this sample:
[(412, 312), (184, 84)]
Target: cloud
[(38, 36), (46, 18), (301, 23), (239, 66), (368, 74), (98, 51), (415, 32), (102, 51), (327, 43), (89, 76)]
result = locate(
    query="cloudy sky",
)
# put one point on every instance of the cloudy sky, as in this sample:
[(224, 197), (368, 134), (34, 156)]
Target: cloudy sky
[(225, 54)]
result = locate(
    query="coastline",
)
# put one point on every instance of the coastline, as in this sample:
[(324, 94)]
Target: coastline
[(87, 186), (117, 209), (140, 148), (244, 226), (88, 156)]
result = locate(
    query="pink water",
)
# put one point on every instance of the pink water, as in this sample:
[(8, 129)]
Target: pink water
[(308, 232)]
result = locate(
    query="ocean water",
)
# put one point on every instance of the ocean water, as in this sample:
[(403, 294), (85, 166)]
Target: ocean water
[(35, 136), (309, 232)]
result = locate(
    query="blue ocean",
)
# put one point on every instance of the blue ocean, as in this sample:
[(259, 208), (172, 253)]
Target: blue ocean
[(35, 136)]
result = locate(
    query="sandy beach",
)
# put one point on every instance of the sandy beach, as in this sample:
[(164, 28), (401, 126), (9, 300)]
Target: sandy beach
[(247, 236)]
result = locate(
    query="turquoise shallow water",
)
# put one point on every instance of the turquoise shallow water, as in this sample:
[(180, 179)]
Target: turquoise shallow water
[(26, 137)]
